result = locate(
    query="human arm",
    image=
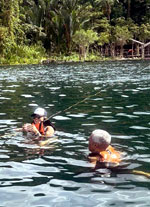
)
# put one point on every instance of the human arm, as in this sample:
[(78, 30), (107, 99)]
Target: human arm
[(30, 128), (49, 131)]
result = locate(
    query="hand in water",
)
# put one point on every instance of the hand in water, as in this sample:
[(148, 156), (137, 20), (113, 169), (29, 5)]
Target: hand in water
[(30, 128), (27, 128)]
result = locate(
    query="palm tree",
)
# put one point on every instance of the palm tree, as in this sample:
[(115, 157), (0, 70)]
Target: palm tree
[(66, 17), (106, 6), (128, 8)]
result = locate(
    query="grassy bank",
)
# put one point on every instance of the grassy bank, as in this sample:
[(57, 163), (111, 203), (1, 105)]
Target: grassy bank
[(23, 55), (74, 57), (36, 55)]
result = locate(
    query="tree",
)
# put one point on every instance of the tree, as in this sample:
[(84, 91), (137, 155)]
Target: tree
[(9, 15), (106, 6), (84, 39), (144, 35), (3, 39), (128, 7), (10, 25), (33, 13), (122, 35), (104, 29), (71, 16), (144, 32)]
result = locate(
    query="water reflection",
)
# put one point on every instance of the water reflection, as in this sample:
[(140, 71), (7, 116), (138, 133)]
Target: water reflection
[(60, 174)]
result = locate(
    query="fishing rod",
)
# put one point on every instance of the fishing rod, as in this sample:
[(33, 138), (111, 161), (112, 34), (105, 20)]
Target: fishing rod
[(73, 105), (61, 111), (143, 68), (47, 120)]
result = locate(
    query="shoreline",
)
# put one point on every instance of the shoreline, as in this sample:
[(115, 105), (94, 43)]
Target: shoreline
[(59, 61), (47, 62)]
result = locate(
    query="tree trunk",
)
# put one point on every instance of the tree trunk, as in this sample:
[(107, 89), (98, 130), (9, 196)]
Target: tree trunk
[(87, 50), (85, 53), (132, 50), (129, 8), (101, 50), (143, 52), (106, 51), (112, 50), (108, 10), (137, 50), (121, 51), (68, 39), (82, 52)]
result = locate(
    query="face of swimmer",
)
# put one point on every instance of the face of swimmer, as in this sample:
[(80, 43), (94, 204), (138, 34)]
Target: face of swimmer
[(39, 115), (38, 119)]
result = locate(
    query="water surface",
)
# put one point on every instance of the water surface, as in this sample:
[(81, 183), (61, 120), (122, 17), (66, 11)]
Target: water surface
[(60, 174)]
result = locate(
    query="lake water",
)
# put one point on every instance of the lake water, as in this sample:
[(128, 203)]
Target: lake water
[(60, 174)]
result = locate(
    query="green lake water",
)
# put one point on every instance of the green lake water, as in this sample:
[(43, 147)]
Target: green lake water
[(60, 174)]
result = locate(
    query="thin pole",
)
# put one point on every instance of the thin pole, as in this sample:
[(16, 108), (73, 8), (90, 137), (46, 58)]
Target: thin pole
[(73, 105)]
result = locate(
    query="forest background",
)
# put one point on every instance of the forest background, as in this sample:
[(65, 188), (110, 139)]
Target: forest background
[(32, 31)]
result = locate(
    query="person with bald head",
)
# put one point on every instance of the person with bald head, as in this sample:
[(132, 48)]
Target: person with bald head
[(101, 150)]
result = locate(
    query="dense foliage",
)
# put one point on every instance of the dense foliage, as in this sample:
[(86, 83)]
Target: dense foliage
[(33, 29)]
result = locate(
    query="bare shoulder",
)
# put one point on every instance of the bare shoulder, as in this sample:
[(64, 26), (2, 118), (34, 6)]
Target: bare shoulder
[(49, 131)]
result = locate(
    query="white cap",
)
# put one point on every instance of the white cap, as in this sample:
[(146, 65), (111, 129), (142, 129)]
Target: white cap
[(40, 112), (99, 140)]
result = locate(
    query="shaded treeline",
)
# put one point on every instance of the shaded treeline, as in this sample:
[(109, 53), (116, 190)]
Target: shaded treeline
[(34, 28)]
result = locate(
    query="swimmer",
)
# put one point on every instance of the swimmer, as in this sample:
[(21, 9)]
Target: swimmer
[(40, 126), (101, 150), (103, 155)]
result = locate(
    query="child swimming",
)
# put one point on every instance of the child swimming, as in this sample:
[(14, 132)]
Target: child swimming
[(40, 125)]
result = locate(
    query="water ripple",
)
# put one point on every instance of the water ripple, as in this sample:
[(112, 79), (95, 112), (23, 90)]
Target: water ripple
[(60, 173)]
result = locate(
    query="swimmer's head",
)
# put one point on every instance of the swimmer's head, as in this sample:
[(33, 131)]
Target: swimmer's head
[(99, 141)]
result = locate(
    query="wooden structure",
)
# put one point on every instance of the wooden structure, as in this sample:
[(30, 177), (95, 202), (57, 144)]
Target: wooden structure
[(141, 49)]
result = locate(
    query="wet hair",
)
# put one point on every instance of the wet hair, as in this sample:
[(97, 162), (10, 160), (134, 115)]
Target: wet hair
[(36, 116), (47, 122)]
